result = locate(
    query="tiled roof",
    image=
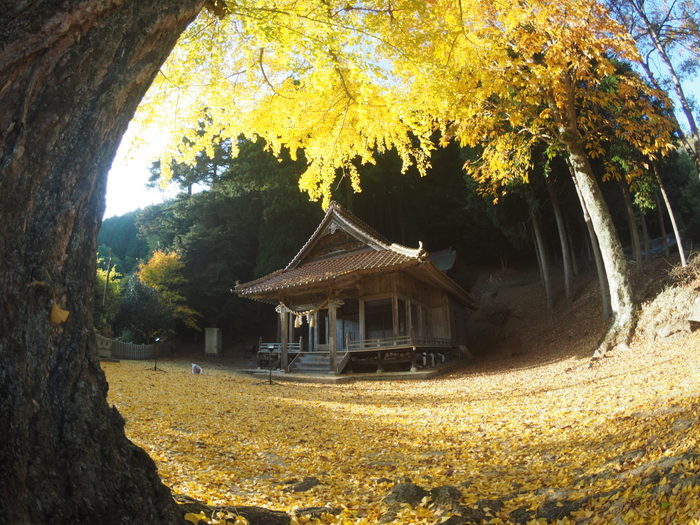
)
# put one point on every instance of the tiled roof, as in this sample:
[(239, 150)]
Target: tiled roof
[(325, 270)]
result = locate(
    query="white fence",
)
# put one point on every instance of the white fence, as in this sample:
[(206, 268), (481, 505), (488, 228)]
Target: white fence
[(111, 348)]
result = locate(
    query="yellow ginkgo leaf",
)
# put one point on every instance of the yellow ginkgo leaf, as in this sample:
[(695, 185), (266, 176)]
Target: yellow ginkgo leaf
[(195, 518), (58, 314)]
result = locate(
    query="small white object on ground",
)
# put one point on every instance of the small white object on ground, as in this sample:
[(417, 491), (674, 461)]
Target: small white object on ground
[(196, 369)]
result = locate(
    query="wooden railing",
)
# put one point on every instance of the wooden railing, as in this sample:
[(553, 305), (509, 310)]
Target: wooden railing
[(342, 363), (399, 341), (289, 366), (267, 352), (277, 347)]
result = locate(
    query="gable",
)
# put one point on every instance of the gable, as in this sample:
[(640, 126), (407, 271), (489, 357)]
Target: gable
[(335, 241), (340, 233)]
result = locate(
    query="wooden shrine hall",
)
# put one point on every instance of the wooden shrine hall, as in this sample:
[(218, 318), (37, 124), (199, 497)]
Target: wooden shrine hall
[(351, 300)]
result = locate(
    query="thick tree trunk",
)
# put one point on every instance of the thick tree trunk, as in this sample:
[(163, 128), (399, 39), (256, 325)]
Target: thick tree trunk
[(594, 250), (635, 239), (671, 215), (621, 301), (542, 259), (645, 236), (572, 248), (563, 242), (71, 76)]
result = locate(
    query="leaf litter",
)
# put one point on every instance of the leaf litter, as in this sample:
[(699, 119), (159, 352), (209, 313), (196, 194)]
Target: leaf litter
[(547, 437)]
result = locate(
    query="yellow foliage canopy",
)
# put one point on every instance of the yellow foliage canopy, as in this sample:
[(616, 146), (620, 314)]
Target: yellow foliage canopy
[(163, 273), (343, 82)]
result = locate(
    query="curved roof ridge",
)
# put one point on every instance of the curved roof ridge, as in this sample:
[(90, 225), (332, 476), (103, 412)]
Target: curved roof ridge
[(359, 229)]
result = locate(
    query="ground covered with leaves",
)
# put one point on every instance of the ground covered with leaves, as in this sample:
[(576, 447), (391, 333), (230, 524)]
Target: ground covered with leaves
[(541, 437)]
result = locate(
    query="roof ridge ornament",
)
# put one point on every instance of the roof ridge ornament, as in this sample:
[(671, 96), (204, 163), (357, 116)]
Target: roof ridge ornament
[(416, 253)]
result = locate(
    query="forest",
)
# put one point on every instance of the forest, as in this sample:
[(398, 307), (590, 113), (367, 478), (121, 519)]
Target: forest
[(250, 219)]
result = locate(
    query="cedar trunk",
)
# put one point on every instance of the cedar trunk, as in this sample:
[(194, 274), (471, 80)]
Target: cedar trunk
[(542, 259), (635, 239), (71, 76), (563, 242)]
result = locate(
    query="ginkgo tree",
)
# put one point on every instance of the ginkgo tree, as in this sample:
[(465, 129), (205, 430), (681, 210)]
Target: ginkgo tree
[(344, 81), (164, 273)]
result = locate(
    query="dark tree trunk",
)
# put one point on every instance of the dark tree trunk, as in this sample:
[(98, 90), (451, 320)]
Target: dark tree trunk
[(563, 242), (71, 76), (622, 304), (542, 259), (594, 253), (645, 236), (572, 248), (635, 240)]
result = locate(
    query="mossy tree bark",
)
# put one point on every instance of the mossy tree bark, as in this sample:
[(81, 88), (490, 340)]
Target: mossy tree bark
[(594, 254), (71, 75), (622, 304)]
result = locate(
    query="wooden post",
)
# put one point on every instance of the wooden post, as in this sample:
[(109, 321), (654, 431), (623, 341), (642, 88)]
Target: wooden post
[(362, 319), (395, 315), (311, 335), (407, 308), (380, 368), (257, 355), (332, 346), (284, 343), (316, 331), (413, 360)]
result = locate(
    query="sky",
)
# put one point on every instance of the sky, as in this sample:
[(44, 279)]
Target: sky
[(126, 185)]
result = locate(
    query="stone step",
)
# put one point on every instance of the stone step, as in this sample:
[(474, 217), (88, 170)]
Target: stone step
[(313, 363)]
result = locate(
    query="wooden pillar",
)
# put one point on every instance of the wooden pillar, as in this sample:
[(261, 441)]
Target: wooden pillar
[(316, 332), (409, 320), (310, 336), (284, 336), (332, 335), (395, 314), (361, 304)]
